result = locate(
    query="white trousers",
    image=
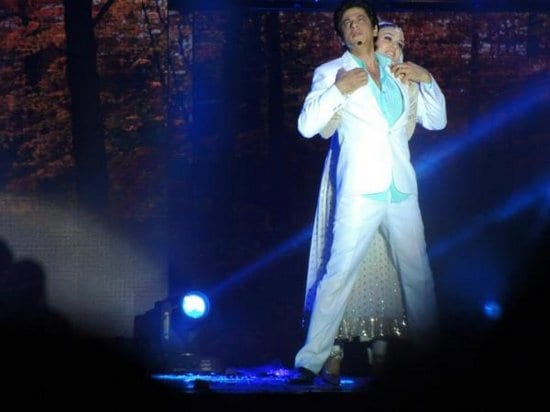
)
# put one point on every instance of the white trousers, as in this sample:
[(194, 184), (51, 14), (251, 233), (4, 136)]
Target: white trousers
[(357, 219)]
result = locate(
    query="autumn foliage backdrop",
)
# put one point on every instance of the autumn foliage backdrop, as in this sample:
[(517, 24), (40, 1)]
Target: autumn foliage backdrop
[(197, 113)]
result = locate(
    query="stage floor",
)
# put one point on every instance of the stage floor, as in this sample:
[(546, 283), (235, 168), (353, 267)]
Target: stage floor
[(266, 389), (251, 382)]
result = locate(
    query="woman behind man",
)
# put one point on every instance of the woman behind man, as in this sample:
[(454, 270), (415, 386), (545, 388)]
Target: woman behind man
[(375, 310)]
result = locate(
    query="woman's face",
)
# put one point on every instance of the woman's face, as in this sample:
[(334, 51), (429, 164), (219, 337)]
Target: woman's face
[(390, 42)]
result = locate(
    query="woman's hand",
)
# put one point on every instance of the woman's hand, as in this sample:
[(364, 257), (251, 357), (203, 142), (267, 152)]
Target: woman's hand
[(409, 71)]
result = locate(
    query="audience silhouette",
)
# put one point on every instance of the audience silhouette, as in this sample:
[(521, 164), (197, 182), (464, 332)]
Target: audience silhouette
[(44, 358)]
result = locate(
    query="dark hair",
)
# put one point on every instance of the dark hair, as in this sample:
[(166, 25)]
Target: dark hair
[(348, 4)]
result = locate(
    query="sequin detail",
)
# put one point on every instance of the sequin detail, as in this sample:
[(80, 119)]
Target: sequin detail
[(375, 307)]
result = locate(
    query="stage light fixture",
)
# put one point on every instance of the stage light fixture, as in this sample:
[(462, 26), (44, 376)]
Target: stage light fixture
[(171, 334), (492, 310), (195, 305)]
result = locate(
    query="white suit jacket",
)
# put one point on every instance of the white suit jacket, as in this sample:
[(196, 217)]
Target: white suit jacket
[(371, 152)]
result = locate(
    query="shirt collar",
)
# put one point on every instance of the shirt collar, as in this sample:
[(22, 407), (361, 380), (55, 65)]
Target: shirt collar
[(383, 61)]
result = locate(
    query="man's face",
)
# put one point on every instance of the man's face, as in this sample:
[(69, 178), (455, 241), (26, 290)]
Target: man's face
[(356, 27)]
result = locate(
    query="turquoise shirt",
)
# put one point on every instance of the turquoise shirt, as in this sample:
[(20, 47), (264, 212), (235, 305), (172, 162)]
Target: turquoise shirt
[(390, 100)]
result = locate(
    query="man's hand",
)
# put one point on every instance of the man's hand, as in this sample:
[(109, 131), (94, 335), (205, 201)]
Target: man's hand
[(410, 71), (348, 81)]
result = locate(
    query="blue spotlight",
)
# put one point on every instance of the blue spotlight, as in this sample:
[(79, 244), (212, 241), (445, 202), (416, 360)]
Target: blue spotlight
[(195, 305), (533, 94), (492, 310), (534, 194), (289, 246)]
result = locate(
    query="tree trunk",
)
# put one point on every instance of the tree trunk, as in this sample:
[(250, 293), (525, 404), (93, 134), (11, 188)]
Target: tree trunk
[(87, 127)]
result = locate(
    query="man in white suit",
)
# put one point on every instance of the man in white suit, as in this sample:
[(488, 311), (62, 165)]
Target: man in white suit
[(375, 180)]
